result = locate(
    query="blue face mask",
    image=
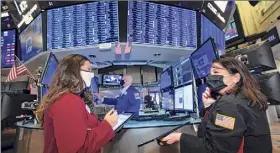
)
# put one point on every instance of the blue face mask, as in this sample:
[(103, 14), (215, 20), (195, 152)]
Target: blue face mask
[(122, 82)]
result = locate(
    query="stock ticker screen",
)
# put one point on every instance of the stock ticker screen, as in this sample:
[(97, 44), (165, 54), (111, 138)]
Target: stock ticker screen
[(8, 45), (83, 24), (182, 73), (166, 79), (209, 29), (31, 39), (158, 24)]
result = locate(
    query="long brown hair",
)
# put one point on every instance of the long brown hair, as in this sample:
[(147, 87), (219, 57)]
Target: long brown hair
[(67, 79), (248, 84)]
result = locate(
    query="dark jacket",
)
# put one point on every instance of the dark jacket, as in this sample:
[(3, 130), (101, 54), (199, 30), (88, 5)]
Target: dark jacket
[(68, 127), (228, 122), (127, 102)]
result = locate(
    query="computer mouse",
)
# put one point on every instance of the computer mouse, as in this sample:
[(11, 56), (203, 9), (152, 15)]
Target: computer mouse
[(162, 143)]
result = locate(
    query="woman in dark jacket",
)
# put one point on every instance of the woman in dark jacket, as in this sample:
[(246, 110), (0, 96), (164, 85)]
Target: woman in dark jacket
[(235, 121)]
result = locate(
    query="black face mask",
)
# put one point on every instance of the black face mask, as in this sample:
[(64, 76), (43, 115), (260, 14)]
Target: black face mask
[(122, 82), (215, 83)]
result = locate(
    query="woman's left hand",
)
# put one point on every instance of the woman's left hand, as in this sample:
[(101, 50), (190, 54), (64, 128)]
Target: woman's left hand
[(171, 138)]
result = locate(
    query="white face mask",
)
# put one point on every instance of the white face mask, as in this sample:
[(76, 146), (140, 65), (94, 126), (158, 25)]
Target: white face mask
[(87, 77)]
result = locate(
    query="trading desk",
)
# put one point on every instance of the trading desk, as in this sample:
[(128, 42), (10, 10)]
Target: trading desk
[(30, 137)]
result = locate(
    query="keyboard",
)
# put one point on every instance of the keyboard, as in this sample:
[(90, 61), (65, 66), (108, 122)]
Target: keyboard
[(152, 117), (176, 118)]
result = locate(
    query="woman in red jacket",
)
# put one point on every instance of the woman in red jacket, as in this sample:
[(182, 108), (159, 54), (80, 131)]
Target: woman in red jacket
[(68, 121)]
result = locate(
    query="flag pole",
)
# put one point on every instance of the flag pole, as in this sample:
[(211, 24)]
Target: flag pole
[(31, 76)]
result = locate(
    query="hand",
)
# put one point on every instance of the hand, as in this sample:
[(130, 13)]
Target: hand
[(171, 138), (207, 99), (112, 117)]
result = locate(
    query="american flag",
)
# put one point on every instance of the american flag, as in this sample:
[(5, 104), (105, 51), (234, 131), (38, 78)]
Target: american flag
[(127, 48), (17, 69), (225, 121), (118, 49)]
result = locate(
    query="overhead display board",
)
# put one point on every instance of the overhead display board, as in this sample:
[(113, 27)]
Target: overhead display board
[(159, 24), (82, 24), (8, 46)]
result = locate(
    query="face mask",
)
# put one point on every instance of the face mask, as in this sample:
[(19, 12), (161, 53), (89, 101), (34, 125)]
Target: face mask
[(122, 82), (87, 77), (215, 83)]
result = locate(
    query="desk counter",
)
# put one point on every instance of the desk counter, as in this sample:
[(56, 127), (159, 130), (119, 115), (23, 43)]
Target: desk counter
[(30, 137)]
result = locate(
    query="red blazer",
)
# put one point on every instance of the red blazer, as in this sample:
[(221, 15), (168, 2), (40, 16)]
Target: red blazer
[(69, 128)]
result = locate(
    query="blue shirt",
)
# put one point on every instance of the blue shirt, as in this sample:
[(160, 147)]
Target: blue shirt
[(129, 101)]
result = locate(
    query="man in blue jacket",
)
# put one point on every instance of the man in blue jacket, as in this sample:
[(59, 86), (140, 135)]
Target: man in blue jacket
[(129, 100)]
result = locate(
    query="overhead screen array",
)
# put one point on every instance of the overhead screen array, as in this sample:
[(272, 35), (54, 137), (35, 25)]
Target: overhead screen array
[(8, 45), (209, 29), (157, 24), (83, 24), (31, 39)]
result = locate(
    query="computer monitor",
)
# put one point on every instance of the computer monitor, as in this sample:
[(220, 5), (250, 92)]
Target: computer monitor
[(111, 79), (49, 69), (11, 104), (95, 85), (203, 57), (166, 79), (257, 57), (183, 98), (167, 100), (182, 73), (270, 86)]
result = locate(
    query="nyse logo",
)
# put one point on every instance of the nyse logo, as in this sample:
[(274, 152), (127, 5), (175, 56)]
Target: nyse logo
[(21, 7), (271, 38)]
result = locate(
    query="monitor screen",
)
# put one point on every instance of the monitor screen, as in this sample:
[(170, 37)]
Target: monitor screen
[(94, 84), (231, 29), (182, 73), (167, 102), (158, 24), (49, 69), (166, 79), (209, 29), (83, 24), (202, 59), (31, 39), (184, 98), (111, 79), (8, 45)]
